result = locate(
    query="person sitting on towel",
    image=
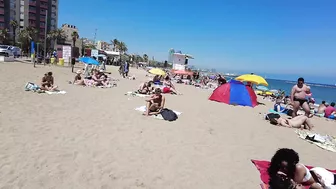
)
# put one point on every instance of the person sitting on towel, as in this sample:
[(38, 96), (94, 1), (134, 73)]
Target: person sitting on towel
[(278, 107), (146, 87), (78, 78), (299, 122), (47, 83), (286, 172), (155, 103)]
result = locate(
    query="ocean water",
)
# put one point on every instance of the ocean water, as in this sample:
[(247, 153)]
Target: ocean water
[(320, 91)]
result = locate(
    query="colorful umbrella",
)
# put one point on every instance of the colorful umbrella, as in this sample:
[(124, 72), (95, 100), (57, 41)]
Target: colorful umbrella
[(182, 72), (157, 71), (256, 79), (89, 60)]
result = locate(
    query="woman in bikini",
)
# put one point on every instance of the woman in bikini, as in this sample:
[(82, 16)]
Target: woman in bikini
[(299, 122), (78, 78), (286, 172)]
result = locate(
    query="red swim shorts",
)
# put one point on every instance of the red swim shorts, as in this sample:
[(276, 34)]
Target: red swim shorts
[(166, 90)]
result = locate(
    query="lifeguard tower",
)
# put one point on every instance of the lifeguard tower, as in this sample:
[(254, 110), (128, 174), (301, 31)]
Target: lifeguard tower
[(178, 59)]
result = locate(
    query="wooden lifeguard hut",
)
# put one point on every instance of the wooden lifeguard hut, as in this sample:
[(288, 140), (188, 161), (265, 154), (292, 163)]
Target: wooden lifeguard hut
[(179, 60)]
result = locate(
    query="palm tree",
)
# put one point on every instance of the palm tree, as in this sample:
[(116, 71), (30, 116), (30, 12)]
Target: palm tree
[(57, 36), (14, 25), (74, 36), (145, 57), (26, 35), (115, 43), (4, 35)]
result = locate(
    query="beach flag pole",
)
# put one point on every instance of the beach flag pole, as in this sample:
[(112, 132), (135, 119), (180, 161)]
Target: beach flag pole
[(45, 37)]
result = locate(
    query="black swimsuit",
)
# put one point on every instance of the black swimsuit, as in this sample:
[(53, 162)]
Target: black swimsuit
[(301, 101)]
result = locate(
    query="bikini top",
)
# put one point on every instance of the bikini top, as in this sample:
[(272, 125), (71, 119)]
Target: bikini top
[(307, 175)]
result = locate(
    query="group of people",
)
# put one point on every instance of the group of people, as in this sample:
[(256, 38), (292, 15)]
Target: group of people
[(97, 78), (298, 99), (326, 110), (286, 172)]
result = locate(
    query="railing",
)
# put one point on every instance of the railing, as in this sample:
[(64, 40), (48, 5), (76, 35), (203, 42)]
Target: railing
[(33, 3), (44, 6), (32, 11), (2, 11)]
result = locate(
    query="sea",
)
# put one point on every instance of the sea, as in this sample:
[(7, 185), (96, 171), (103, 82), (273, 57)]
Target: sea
[(320, 92)]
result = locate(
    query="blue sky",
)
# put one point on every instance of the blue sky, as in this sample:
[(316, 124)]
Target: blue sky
[(275, 38)]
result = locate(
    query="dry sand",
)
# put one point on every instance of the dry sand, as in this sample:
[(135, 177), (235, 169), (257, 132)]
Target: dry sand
[(93, 138)]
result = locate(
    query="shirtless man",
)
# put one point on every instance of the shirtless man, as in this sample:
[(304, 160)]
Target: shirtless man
[(298, 97), (299, 122), (321, 108), (155, 104), (47, 83)]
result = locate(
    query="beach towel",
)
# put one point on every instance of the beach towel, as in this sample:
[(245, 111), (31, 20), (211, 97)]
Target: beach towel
[(55, 92), (262, 167), (275, 112), (130, 93), (323, 141), (31, 87), (142, 109)]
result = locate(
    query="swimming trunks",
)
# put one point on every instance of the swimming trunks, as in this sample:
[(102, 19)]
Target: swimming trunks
[(301, 101)]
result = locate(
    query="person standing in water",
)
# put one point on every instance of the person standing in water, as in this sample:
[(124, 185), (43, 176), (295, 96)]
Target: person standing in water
[(298, 97)]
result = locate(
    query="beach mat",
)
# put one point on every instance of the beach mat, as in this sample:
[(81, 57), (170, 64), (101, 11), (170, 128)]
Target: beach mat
[(262, 167), (142, 109), (325, 142), (274, 112), (130, 93), (55, 92)]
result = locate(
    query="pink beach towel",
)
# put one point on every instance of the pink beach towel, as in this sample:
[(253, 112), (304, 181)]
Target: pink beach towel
[(262, 167)]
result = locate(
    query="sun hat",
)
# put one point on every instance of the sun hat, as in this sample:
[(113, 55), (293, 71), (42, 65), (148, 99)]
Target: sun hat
[(78, 72)]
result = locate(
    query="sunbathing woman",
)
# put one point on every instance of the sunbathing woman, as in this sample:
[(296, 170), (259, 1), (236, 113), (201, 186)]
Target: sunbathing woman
[(146, 88), (78, 78), (155, 104), (47, 83), (286, 172), (299, 122)]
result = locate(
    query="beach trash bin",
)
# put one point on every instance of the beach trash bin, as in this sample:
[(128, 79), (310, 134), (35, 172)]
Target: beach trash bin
[(52, 60), (61, 61)]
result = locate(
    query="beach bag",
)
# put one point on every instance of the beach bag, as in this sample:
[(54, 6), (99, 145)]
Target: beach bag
[(168, 115), (289, 112), (272, 115), (31, 87)]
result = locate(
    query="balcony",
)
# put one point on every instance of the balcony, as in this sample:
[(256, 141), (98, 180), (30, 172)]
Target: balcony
[(44, 1), (42, 19), (54, 3), (32, 17), (45, 6), (2, 11), (42, 27), (32, 11), (31, 24), (32, 3)]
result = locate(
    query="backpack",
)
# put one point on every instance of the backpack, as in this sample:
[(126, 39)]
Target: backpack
[(168, 115), (271, 115)]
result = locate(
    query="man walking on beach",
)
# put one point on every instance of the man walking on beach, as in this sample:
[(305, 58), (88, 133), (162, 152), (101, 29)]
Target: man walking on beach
[(298, 97)]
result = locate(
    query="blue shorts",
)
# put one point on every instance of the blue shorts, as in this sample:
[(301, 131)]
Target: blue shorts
[(331, 117)]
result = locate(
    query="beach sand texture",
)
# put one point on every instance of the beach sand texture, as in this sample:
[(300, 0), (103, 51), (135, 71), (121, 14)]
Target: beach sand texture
[(93, 138)]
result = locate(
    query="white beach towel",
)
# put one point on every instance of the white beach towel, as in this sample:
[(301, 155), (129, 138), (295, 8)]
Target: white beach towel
[(142, 109), (55, 92), (323, 141), (130, 93)]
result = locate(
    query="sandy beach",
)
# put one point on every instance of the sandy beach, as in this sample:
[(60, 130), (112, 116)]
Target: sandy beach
[(93, 138)]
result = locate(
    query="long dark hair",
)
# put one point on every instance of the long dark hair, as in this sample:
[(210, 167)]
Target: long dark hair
[(283, 155), (280, 182)]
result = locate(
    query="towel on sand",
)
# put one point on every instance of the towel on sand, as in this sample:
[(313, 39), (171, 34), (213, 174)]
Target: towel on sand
[(275, 112), (130, 93), (55, 92), (262, 167), (323, 141), (143, 109)]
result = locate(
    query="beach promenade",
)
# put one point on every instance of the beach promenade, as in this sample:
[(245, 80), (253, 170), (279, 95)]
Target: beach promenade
[(93, 138)]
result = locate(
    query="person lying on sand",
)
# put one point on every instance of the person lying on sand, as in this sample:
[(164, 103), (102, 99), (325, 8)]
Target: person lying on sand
[(155, 103), (286, 172), (78, 78), (299, 122), (146, 88), (47, 83)]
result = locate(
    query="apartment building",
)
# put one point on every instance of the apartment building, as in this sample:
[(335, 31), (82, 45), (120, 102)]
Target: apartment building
[(102, 45), (40, 14), (68, 29)]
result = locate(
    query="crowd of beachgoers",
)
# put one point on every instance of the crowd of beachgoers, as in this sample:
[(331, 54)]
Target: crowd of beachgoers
[(294, 110)]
